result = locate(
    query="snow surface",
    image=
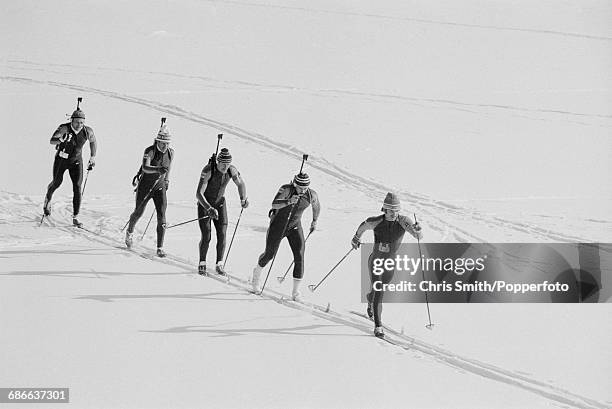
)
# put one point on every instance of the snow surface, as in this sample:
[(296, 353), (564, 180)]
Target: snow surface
[(492, 120)]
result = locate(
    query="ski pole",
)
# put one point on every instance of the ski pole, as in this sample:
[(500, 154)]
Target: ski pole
[(430, 325), (85, 184), (188, 221), (304, 158), (146, 228), (144, 200), (314, 287), (232, 240), (281, 279)]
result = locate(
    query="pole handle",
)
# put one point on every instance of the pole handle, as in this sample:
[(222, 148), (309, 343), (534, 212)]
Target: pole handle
[(79, 100)]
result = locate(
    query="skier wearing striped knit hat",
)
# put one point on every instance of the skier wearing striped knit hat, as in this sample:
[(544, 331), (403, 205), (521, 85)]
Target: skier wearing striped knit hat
[(211, 204), (389, 229), (286, 221)]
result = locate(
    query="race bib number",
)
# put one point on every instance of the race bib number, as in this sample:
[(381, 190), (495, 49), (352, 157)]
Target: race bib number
[(383, 247)]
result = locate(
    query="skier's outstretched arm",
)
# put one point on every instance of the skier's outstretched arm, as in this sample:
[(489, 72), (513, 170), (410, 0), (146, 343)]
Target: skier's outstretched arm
[(368, 224), (202, 184), (413, 228), (316, 209), (93, 149), (239, 181), (169, 166)]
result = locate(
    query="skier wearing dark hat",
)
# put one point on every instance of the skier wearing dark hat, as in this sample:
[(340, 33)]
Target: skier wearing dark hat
[(211, 204), (286, 221), (69, 139), (389, 229), (154, 181)]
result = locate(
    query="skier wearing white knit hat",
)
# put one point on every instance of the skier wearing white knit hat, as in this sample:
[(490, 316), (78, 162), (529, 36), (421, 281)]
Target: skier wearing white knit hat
[(153, 181), (389, 229)]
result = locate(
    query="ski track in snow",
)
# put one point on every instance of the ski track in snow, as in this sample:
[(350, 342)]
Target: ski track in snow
[(417, 20), (374, 189), (108, 234), (475, 108)]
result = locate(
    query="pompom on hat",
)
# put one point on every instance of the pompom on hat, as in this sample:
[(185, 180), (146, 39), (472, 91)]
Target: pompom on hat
[(163, 135), (302, 180), (391, 202), (224, 156)]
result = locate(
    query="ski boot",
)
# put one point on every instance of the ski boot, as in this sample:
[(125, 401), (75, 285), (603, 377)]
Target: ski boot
[(160, 252), (220, 270), (76, 222), (128, 239), (46, 208), (202, 269), (255, 278), (295, 294), (378, 332)]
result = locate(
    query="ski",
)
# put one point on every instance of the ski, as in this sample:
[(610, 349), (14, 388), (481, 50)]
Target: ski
[(224, 278)]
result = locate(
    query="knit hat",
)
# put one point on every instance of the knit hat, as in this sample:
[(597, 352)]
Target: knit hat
[(391, 202), (224, 156), (302, 180), (163, 135), (78, 114)]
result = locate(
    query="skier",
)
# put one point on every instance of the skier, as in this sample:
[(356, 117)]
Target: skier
[(153, 181), (69, 139), (211, 204), (286, 221), (389, 229)]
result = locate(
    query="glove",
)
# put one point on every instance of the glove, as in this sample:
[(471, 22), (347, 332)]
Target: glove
[(213, 213), (293, 200), (136, 180), (355, 243), (417, 230), (313, 226), (92, 163), (167, 182), (63, 138), (244, 203), (163, 170)]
